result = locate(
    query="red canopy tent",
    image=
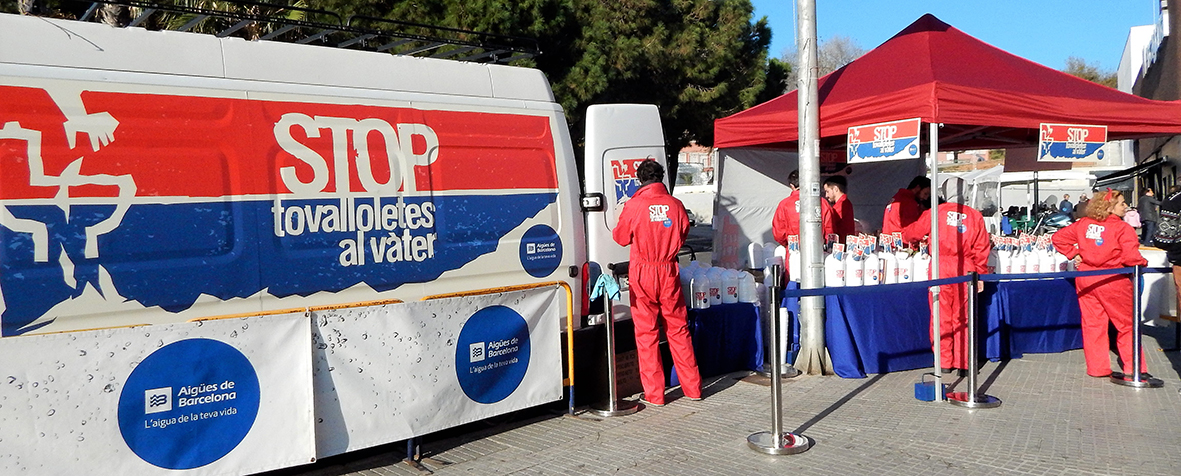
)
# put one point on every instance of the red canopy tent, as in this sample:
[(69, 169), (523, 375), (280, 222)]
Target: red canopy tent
[(985, 97)]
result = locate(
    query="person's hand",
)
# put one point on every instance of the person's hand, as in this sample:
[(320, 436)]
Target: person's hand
[(1077, 259), (979, 287)]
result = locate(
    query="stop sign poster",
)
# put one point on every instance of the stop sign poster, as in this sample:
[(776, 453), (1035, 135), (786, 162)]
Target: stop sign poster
[(896, 140), (1070, 143)]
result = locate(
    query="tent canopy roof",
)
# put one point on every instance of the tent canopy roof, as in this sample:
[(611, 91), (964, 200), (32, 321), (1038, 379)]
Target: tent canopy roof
[(985, 97)]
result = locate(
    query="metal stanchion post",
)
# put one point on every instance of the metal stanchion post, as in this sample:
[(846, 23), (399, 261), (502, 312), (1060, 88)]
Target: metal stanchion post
[(773, 332), (776, 442), (1137, 379), (614, 406), (971, 399)]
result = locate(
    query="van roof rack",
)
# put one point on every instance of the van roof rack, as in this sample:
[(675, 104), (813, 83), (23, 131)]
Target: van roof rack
[(293, 24)]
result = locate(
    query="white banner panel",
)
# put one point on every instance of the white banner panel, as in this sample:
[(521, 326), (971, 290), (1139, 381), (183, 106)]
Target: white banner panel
[(391, 372), (230, 396)]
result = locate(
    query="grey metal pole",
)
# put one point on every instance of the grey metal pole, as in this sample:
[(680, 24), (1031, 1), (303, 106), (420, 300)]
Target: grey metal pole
[(1137, 366), (776, 442), (971, 399), (937, 337), (613, 406), (813, 358)]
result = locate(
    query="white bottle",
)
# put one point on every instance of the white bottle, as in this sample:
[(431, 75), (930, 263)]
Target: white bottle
[(871, 268), (854, 268), (781, 255), (1032, 262), (994, 260), (1019, 262), (834, 267), (794, 262), (729, 286), (1045, 262), (686, 278), (700, 286), (905, 266), (1059, 262), (922, 265), (889, 266), (754, 255), (747, 291), (1005, 258), (714, 278)]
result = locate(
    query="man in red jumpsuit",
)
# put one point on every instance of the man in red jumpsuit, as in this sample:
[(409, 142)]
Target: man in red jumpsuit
[(1103, 240), (786, 221), (834, 191), (904, 209), (655, 225), (963, 248)]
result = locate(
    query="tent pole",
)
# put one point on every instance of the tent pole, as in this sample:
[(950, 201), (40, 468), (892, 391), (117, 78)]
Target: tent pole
[(934, 250), (813, 358)]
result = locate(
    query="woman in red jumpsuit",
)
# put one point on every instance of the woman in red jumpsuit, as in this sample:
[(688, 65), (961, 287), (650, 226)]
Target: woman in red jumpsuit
[(1098, 241)]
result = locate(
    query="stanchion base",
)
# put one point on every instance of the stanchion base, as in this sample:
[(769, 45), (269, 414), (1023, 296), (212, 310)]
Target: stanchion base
[(982, 401), (1119, 378), (785, 371), (622, 407), (786, 444)]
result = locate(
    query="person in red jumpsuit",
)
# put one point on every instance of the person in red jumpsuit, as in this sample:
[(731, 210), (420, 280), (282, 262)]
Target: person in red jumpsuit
[(786, 221), (963, 248), (655, 224), (905, 207), (834, 191), (1097, 241)]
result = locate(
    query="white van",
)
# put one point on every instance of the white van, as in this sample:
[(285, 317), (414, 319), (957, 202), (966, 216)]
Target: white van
[(292, 251)]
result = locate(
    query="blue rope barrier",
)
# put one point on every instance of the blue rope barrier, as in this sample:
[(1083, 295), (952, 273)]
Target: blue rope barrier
[(848, 290)]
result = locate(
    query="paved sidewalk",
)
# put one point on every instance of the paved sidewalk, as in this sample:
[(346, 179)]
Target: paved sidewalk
[(1054, 420)]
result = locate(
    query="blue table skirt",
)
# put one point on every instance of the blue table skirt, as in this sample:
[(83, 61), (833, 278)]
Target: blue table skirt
[(726, 338), (890, 331)]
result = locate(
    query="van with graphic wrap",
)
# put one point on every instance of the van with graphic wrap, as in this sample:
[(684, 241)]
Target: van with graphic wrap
[(293, 251)]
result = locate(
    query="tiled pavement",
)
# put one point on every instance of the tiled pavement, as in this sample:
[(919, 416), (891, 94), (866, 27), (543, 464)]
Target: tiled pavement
[(1054, 420)]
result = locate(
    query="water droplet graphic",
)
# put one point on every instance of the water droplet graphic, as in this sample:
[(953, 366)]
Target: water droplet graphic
[(51, 412), (109, 388), (365, 336), (35, 384), (81, 438), (245, 326), (11, 379), (233, 334), (419, 361), (81, 353)]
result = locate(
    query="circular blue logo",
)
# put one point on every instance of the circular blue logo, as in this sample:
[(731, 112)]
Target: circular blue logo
[(913, 149), (493, 354), (541, 251), (188, 404)]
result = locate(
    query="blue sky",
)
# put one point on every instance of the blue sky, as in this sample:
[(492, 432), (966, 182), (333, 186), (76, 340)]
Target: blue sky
[(1044, 31)]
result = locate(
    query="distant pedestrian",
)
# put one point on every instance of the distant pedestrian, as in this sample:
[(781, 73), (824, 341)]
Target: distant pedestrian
[(1066, 207), (1147, 205), (1080, 208)]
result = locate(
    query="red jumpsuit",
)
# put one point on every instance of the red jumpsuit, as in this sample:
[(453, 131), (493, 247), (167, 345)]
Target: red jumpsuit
[(655, 224), (786, 221), (843, 217), (901, 212), (1110, 243), (963, 248)]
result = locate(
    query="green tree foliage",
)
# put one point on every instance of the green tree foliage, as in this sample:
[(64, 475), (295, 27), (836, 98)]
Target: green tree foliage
[(697, 60), (1079, 67)]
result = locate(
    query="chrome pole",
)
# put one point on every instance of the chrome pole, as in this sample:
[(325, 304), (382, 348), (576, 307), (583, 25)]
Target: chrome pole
[(614, 406), (1136, 380), (971, 398), (776, 442)]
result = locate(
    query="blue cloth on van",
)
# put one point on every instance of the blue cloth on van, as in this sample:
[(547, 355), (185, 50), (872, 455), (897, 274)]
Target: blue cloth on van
[(605, 284)]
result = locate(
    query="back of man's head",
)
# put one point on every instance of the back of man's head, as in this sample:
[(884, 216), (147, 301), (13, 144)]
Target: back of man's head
[(919, 183), (955, 190), (650, 171), (793, 179), (838, 181)]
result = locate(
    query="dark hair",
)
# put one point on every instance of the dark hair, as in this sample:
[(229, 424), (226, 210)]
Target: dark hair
[(921, 182), (650, 171), (793, 178), (839, 181)]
